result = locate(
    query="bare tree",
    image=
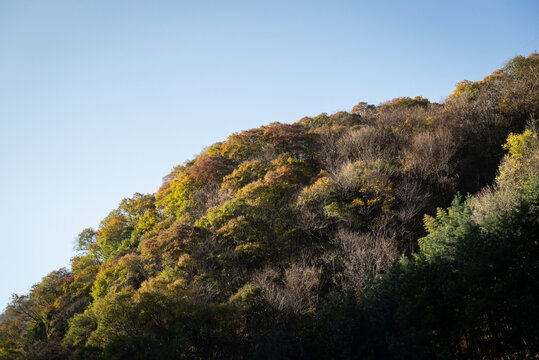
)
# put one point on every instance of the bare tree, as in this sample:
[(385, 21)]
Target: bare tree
[(293, 290), (367, 143), (207, 197), (430, 153), (363, 257), (413, 201)]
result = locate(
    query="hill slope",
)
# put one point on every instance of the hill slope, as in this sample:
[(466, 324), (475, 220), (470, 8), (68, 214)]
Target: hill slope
[(307, 240)]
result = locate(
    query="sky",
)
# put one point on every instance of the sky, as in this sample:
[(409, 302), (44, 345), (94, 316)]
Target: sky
[(100, 99)]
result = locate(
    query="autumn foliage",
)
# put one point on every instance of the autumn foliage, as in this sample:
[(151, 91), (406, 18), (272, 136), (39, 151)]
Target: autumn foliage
[(326, 238)]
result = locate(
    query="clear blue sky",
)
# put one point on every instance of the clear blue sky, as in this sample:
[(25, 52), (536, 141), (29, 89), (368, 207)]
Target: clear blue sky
[(100, 99)]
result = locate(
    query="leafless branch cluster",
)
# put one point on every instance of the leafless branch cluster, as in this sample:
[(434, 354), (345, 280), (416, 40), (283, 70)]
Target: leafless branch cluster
[(363, 257), (293, 290)]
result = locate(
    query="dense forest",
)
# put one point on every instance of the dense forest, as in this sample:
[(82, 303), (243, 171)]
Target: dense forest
[(404, 230)]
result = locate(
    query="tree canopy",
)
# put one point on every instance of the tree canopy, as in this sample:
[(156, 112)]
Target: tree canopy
[(402, 230)]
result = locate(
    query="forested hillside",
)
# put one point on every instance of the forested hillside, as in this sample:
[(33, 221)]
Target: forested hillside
[(406, 230)]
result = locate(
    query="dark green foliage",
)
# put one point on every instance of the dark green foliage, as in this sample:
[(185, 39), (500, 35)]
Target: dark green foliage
[(36, 333), (473, 296), (343, 331)]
